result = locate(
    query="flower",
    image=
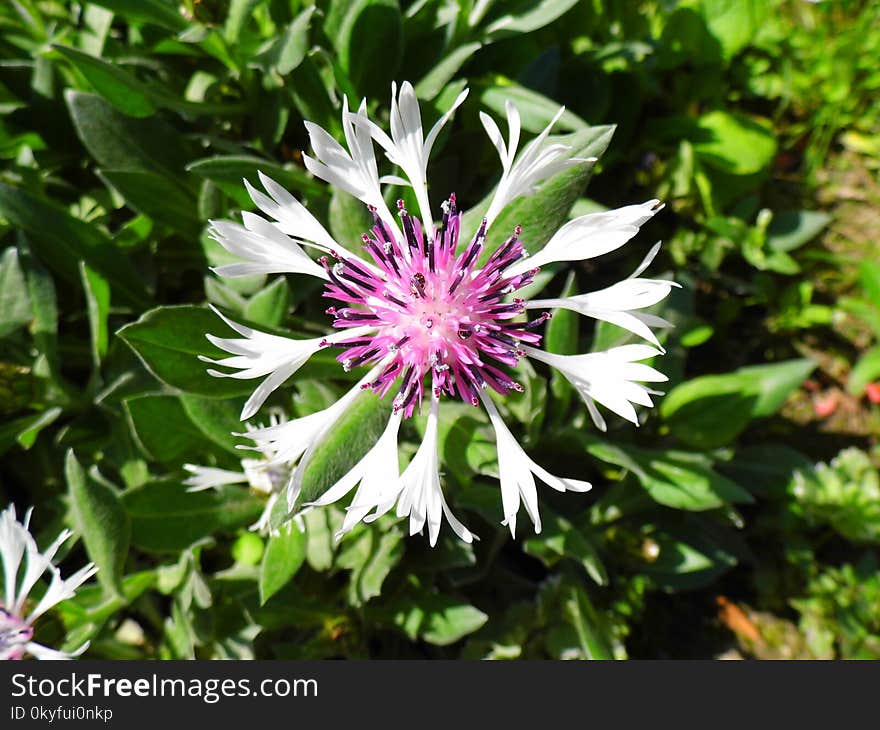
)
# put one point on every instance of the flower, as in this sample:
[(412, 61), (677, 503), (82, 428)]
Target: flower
[(16, 621), (430, 315), (266, 476)]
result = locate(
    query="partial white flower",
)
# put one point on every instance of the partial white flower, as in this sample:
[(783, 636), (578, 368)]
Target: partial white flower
[(517, 472), (264, 475), (608, 377), (591, 235), (266, 249), (419, 493), (377, 474), (353, 170), (23, 566), (617, 304), (407, 147), (538, 161), (257, 354)]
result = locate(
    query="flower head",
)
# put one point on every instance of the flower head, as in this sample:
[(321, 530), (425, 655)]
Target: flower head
[(433, 314), (23, 566)]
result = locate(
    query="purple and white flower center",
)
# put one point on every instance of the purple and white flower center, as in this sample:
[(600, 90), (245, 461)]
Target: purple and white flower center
[(437, 312)]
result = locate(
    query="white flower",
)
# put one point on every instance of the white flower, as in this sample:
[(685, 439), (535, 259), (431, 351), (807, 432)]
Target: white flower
[(263, 475), (407, 147), (538, 161), (377, 473), (608, 377), (417, 493), (517, 474), (434, 317), (23, 566), (257, 354), (266, 249), (617, 303), (591, 235)]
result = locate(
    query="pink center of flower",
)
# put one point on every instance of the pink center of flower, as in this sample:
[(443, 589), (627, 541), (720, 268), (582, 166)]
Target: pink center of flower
[(15, 633), (436, 312)]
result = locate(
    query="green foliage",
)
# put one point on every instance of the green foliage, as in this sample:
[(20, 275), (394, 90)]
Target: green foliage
[(128, 124)]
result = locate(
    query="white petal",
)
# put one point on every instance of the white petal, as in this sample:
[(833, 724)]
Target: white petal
[(517, 473), (421, 496), (208, 477), (260, 354), (590, 235), (607, 377)]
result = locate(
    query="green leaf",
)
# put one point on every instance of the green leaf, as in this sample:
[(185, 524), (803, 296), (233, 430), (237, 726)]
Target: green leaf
[(25, 430), (791, 229), (677, 479), (268, 307), (768, 470), (284, 554), (153, 416), (100, 519), (215, 418), (368, 30), (534, 15), (536, 110), (436, 618), (168, 340), (712, 410), (370, 556), (164, 13), (227, 171), (349, 220), (560, 539), (288, 50), (444, 71), (167, 518), (156, 197), (865, 371), (121, 143), (15, 304), (734, 23), (44, 309), (869, 277), (97, 293), (116, 85), (588, 625), (62, 241), (734, 143)]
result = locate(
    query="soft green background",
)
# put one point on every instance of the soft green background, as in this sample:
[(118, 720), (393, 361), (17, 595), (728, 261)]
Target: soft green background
[(741, 518)]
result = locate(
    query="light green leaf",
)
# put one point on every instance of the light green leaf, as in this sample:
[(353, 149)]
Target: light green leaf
[(97, 292), (15, 304), (734, 143), (284, 554), (98, 516), (712, 410)]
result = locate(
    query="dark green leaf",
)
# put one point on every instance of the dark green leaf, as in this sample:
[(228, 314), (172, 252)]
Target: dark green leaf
[(167, 518), (62, 241)]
